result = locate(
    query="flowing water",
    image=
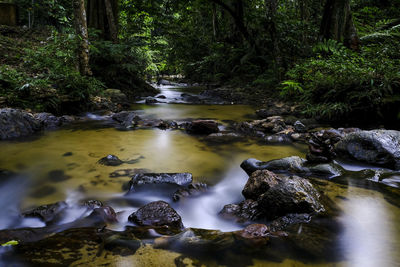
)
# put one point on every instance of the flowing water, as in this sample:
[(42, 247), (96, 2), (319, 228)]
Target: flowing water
[(62, 166)]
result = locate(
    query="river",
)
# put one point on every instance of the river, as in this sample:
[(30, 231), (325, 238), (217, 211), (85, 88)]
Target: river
[(61, 165)]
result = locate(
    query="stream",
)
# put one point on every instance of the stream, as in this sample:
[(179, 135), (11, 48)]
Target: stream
[(62, 165)]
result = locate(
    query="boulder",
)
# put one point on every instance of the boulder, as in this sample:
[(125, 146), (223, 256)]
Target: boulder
[(254, 234), (104, 214), (299, 127), (258, 183), (223, 138), (203, 127), (127, 119), (158, 213), (291, 195), (321, 146), (48, 120), (178, 179), (377, 147), (293, 165), (16, 123), (245, 211), (151, 100), (47, 213)]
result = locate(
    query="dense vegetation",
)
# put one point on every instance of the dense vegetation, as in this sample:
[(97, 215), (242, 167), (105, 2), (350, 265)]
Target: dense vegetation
[(287, 49)]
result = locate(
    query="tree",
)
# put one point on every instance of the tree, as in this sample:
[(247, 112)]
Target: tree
[(82, 33), (103, 15), (337, 24)]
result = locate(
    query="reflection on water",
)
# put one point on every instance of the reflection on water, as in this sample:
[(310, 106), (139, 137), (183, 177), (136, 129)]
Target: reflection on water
[(370, 230)]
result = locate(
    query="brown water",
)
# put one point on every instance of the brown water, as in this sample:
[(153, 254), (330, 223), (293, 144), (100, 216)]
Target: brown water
[(370, 234)]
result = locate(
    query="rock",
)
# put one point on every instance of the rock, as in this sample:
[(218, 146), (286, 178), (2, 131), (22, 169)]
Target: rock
[(127, 172), (291, 195), (47, 213), (190, 190), (254, 234), (300, 127), (223, 138), (203, 127), (110, 160), (165, 82), (116, 96), (104, 214), (48, 120), (321, 146), (179, 179), (377, 147), (127, 119), (293, 165), (150, 100), (245, 211), (161, 96), (92, 204), (158, 213), (283, 222), (67, 119), (258, 183), (16, 123), (278, 139), (272, 111), (57, 176)]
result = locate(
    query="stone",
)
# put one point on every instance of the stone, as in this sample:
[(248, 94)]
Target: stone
[(178, 179), (258, 183), (16, 123), (47, 213), (203, 127), (158, 213), (110, 160), (191, 190), (376, 147), (245, 211)]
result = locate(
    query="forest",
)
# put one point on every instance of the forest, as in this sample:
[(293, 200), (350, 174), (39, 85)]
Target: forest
[(200, 132)]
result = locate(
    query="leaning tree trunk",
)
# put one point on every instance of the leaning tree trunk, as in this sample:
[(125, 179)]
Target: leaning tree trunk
[(82, 32), (337, 24), (103, 16)]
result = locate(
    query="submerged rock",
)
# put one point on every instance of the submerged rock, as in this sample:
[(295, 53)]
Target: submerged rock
[(254, 234), (179, 179), (158, 213), (47, 213), (377, 147), (203, 127), (16, 123), (110, 160)]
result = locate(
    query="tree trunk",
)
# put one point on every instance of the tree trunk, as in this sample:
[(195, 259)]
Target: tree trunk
[(337, 24), (271, 8), (103, 15), (82, 33), (111, 21)]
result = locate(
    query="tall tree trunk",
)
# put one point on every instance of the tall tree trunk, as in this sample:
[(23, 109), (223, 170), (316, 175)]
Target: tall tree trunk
[(337, 24), (214, 21), (103, 15), (82, 33), (111, 21)]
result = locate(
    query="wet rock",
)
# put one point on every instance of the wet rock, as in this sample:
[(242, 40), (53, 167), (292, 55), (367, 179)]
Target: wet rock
[(104, 214), (190, 190), (377, 147), (321, 146), (122, 244), (223, 138), (67, 119), (16, 123), (278, 139), (300, 127), (47, 213), (254, 234), (157, 213), (67, 154), (48, 120), (203, 127), (161, 96), (291, 195), (259, 128), (179, 179), (92, 204), (245, 211), (165, 82), (284, 222), (258, 183), (110, 160), (272, 111), (127, 119), (151, 100), (293, 165)]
